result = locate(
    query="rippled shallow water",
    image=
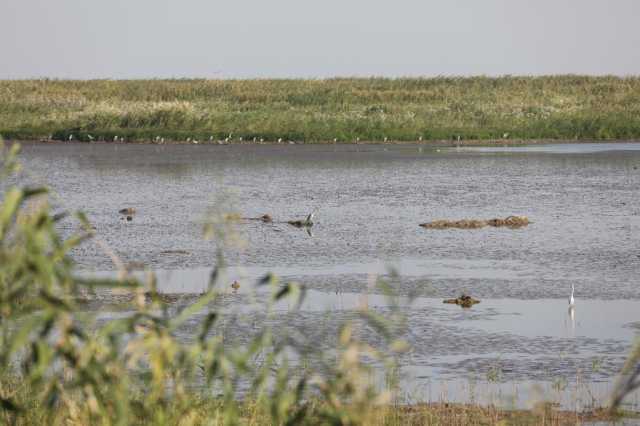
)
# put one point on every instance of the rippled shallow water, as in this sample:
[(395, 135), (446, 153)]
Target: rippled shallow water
[(583, 199)]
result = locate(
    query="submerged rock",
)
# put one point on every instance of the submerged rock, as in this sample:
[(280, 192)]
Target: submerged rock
[(464, 301), (175, 252)]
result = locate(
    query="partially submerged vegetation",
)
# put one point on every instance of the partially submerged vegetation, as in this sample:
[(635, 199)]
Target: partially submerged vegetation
[(508, 222), (341, 109)]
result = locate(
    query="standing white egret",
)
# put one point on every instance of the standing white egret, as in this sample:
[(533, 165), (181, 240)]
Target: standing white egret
[(572, 301)]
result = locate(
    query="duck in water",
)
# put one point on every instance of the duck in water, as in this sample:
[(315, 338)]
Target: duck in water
[(128, 211), (266, 218), (306, 223)]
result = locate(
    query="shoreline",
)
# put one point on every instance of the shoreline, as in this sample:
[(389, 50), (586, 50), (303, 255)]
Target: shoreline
[(426, 143)]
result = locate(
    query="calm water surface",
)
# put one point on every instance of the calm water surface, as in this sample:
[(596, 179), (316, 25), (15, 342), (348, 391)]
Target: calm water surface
[(583, 199)]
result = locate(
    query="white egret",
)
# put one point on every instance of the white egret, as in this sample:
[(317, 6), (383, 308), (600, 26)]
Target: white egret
[(572, 301)]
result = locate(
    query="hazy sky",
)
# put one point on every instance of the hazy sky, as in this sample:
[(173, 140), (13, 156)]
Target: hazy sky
[(321, 38)]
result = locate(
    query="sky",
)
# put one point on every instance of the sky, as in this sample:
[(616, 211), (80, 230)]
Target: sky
[(316, 39)]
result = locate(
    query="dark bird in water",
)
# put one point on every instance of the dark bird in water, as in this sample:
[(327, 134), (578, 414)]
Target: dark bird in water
[(128, 211), (302, 223), (235, 285), (464, 301), (266, 218)]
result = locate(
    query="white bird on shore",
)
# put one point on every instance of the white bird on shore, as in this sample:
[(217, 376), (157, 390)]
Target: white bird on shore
[(572, 301)]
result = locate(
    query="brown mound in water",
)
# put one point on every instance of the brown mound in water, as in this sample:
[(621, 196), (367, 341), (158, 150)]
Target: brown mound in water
[(464, 301), (511, 222), (458, 224)]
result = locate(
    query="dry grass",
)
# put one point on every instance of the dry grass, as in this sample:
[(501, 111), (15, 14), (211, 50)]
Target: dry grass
[(436, 414)]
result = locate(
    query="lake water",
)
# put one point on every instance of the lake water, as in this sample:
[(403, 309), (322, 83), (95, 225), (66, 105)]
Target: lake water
[(583, 200)]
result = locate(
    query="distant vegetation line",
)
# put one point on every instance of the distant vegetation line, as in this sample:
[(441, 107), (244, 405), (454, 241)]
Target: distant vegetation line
[(343, 109)]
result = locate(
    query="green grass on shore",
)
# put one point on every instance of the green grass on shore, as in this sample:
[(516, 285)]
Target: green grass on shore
[(346, 109)]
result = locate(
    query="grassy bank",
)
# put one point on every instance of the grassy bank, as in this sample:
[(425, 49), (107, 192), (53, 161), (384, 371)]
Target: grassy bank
[(212, 412), (374, 109)]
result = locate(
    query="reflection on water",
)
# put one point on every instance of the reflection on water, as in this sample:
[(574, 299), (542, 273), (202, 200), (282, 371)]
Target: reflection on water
[(571, 311), (558, 148), (583, 200)]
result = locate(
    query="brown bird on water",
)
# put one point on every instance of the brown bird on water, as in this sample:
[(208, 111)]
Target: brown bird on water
[(266, 218)]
